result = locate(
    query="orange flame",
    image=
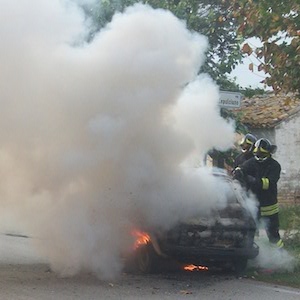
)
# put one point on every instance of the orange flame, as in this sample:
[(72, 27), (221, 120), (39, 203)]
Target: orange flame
[(192, 268), (142, 238)]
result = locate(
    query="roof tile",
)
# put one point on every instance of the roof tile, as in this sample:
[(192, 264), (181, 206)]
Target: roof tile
[(267, 110)]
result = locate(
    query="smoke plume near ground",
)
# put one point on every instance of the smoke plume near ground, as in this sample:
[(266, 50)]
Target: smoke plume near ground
[(98, 138), (271, 258)]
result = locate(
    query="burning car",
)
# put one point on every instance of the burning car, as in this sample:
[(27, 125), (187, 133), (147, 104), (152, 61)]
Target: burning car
[(225, 238)]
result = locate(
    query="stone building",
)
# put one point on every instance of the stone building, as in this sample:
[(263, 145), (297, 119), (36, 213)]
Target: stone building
[(277, 118)]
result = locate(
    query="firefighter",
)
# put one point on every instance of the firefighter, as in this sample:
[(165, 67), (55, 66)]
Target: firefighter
[(260, 174), (247, 146)]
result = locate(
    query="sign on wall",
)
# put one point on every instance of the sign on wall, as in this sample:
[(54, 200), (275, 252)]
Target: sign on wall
[(230, 99)]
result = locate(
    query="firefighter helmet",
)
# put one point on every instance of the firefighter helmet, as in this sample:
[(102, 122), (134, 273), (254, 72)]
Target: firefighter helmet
[(247, 143), (263, 149)]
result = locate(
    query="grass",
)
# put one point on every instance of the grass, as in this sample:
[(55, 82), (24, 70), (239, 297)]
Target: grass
[(291, 279), (289, 217), (290, 222)]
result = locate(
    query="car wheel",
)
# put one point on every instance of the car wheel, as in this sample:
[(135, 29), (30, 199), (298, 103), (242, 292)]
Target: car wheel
[(146, 259), (240, 266)]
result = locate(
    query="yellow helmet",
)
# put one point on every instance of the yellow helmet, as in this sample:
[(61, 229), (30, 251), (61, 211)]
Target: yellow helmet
[(247, 143), (263, 149)]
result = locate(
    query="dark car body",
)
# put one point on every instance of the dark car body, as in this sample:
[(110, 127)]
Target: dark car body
[(225, 237)]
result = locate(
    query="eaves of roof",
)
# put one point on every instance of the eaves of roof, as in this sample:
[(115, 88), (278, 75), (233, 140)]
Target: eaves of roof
[(267, 111)]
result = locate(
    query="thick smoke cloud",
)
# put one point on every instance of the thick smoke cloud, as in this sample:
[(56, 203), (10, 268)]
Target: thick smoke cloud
[(98, 138)]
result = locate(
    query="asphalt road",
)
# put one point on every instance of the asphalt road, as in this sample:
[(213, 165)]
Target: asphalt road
[(24, 275)]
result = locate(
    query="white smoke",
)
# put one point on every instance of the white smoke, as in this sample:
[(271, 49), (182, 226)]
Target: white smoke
[(272, 258), (94, 137)]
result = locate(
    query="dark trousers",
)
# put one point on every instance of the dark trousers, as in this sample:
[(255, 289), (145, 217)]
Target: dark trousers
[(272, 227)]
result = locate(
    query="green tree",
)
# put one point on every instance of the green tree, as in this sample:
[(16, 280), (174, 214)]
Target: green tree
[(276, 24), (100, 12)]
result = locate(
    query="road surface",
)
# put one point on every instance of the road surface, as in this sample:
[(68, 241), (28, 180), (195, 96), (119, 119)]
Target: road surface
[(24, 275)]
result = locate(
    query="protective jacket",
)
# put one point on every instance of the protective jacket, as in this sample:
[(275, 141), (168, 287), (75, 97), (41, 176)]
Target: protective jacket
[(242, 157), (262, 178)]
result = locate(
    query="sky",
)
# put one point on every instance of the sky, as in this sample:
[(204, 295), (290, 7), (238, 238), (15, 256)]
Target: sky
[(244, 77)]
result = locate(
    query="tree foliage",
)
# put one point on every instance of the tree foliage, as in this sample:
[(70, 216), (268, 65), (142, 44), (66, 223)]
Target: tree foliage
[(276, 24)]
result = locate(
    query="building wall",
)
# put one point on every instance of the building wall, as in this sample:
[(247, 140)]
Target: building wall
[(267, 133), (288, 155)]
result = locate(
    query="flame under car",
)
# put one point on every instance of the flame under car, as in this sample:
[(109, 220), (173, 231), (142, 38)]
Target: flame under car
[(225, 238)]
